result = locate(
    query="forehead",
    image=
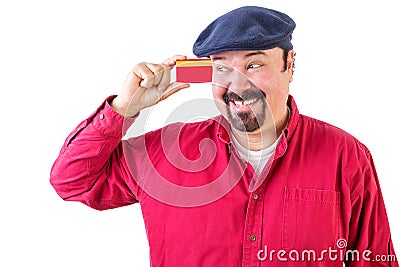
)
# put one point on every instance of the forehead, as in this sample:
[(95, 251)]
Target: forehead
[(244, 54)]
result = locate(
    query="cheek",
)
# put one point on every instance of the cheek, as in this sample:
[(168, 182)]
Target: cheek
[(275, 88), (218, 92), (264, 83), (271, 83)]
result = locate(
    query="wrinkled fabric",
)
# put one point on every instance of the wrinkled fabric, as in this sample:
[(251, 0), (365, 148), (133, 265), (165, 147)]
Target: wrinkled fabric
[(319, 192)]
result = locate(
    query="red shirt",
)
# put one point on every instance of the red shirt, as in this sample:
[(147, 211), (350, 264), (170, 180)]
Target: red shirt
[(317, 198)]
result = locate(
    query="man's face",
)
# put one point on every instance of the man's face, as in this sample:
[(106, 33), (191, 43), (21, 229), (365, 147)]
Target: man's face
[(251, 88)]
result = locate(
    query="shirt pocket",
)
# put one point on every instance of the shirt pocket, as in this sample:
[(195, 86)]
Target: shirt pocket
[(310, 219)]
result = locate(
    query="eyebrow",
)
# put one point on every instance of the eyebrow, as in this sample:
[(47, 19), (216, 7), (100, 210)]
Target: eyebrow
[(246, 56), (255, 53)]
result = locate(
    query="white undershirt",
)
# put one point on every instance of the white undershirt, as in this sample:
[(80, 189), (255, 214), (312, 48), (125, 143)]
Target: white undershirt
[(259, 158)]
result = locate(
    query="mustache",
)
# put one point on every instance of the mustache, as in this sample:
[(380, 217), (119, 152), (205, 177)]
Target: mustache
[(244, 96)]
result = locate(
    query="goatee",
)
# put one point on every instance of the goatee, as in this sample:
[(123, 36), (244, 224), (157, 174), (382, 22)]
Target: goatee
[(246, 121)]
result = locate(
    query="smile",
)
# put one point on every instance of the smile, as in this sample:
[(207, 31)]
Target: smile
[(240, 103), (246, 98), (239, 106)]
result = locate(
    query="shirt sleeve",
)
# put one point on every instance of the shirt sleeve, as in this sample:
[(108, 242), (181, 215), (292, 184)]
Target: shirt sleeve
[(369, 233), (91, 167)]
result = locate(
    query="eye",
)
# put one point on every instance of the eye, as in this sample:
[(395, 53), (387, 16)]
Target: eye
[(253, 66), (221, 68)]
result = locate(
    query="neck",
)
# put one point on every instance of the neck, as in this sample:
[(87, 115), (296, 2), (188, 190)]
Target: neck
[(265, 136)]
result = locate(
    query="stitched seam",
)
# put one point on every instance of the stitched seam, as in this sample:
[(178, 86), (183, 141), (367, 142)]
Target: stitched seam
[(356, 193), (316, 201)]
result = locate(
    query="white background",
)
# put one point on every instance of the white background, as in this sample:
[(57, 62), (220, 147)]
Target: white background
[(60, 59)]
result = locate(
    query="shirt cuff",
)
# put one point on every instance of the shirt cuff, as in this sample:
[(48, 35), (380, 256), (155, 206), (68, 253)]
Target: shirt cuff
[(110, 122)]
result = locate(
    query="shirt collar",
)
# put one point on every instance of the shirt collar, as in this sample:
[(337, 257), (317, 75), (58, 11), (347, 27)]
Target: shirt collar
[(223, 129), (293, 120)]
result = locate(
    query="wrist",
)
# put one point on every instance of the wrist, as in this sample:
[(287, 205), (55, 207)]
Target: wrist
[(123, 108)]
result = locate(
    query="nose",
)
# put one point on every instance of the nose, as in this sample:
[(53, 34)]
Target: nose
[(238, 82)]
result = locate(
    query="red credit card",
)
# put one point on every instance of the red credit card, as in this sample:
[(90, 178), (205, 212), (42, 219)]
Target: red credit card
[(193, 70)]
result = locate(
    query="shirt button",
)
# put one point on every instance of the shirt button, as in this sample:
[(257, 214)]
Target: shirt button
[(101, 116), (255, 196), (252, 238)]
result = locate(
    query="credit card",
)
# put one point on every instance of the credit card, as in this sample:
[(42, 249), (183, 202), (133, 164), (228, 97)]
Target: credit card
[(193, 70)]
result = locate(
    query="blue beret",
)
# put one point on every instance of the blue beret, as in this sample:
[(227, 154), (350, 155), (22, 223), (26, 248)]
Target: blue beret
[(246, 28)]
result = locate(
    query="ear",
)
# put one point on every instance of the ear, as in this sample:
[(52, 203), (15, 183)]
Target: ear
[(290, 64)]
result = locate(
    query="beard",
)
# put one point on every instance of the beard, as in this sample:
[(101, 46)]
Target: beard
[(252, 119)]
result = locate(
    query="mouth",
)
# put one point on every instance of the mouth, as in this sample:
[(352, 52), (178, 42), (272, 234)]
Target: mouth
[(245, 101), (243, 105)]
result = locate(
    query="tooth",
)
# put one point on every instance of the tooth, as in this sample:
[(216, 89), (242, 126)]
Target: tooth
[(249, 102), (238, 103)]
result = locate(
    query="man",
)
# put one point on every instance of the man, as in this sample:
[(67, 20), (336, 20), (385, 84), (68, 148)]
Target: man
[(259, 185)]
